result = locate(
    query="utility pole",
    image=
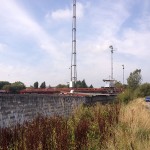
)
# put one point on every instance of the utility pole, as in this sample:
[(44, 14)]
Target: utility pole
[(123, 73), (73, 55)]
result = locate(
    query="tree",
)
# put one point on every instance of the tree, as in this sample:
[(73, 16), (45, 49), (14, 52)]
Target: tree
[(84, 85), (3, 83), (6, 87), (36, 85), (91, 86), (15, 87), (134, 80), (43, 85), (118, 84), (78, 84), (49, 86), (143, 90), (61, 86), (81, 84)]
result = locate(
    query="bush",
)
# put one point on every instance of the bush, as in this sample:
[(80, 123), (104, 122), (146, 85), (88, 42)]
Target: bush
[(143, 90), (3, 83), (126, 96), (14, 87)]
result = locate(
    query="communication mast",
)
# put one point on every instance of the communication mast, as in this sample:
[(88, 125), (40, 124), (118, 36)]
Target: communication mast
[(73, 55)]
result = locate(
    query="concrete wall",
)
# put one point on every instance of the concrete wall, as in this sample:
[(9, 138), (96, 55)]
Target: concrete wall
[(21, 107)]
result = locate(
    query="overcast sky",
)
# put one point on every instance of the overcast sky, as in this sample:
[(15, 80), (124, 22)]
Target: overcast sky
[(35, 40)]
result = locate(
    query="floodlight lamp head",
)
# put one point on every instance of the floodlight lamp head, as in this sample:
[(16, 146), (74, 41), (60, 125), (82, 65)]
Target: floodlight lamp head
[(111, 47)]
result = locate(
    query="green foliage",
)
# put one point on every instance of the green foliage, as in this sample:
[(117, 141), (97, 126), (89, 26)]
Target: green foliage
[(36, 85), (15, 87), (84, 85), (6, 87), (143, 90), (81, 84), (91, 86), (18, 83), (130, 94), (99, 127), (118, 84), (78, 84), (43, 85), (134, 80), (3, 83), (62, 86), (133, 89), (90, 130), (126, 96)]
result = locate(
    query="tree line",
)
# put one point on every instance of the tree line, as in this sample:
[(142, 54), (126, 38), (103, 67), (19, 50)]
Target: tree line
[(17, 86), (79, 84), (133, 89)]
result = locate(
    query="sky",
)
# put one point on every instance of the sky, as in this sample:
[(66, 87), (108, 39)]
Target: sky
[(36, 40)]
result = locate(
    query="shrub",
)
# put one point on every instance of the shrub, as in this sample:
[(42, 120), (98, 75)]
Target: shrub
[(125, 96), (143, 90)]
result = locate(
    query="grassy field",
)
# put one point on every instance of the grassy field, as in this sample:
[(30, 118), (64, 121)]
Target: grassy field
[(99, 127)]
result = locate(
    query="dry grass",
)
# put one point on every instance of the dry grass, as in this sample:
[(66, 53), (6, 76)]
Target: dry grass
[(133, 130)]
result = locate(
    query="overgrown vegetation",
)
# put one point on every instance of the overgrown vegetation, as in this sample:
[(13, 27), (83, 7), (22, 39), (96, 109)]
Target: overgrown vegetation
[(12, 87), (120, 126), (134, 88), (99, 127)]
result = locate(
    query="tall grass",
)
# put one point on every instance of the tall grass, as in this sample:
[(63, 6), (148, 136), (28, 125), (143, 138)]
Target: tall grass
[(133, 130), (99, 127)]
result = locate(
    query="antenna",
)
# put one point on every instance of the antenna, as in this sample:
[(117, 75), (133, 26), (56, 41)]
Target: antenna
[(73, 55)]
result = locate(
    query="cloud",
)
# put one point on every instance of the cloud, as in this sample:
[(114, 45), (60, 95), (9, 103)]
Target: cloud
[(107, 22), (99, 25), (106, 18), (21, 27), (30, 74), (65, 14), (61, 14), (135, 43), (20, 24)]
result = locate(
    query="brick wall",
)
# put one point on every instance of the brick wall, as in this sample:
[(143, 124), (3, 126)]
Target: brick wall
[(16, 108)]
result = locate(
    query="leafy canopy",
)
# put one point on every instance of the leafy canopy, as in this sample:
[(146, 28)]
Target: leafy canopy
[(3, 83), (14, 87), (143, 90), (134, 79)]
